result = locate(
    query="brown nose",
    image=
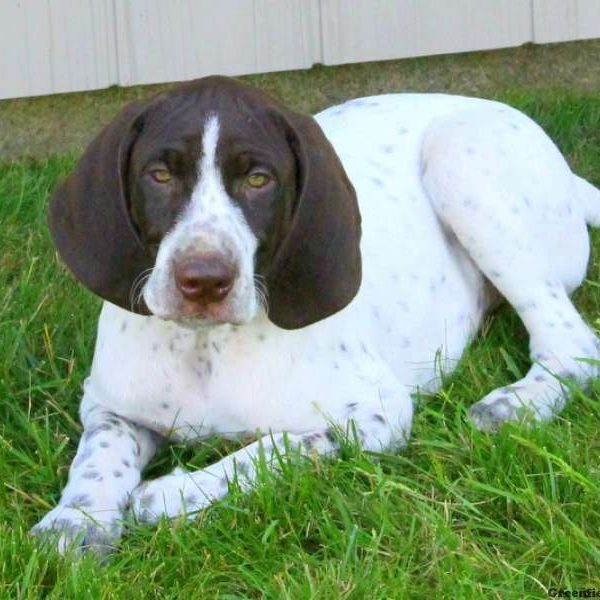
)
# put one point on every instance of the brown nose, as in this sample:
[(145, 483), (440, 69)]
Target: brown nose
[(204, 279)]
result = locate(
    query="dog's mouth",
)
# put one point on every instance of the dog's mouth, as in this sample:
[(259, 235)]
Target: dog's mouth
[(194, 316)]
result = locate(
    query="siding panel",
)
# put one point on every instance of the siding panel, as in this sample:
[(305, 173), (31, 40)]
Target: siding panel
[(363, 30), (564, 20), (183, 39), (56, 46)]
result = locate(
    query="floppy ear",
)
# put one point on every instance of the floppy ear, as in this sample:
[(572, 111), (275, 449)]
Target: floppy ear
[(316, 270), (89, 215)]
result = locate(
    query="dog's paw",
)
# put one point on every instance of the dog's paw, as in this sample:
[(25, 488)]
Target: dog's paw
[(73, 529), (174, 495), (527, 400)]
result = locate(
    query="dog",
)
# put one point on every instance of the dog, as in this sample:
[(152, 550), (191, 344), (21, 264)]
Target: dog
[(294, 278)]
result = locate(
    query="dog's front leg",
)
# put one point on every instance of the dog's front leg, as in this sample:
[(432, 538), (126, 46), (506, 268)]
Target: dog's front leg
[(111, 454), (185, 493)]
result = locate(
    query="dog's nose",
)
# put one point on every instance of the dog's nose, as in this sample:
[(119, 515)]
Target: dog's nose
[(204, 279)]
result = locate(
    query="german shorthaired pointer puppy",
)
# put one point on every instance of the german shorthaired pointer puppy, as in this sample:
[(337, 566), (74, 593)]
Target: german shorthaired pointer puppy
[(224, 233)]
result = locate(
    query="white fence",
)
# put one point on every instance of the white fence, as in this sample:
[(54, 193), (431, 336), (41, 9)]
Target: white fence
[(52, 46)]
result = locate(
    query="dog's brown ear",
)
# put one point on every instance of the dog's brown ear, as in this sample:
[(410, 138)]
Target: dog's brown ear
[(316, 270), (89, 215)]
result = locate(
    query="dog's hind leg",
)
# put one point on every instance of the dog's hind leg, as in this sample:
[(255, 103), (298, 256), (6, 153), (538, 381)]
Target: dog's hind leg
[(502, 187)]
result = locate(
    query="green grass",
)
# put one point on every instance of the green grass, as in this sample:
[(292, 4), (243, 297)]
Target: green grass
[(459, 514)]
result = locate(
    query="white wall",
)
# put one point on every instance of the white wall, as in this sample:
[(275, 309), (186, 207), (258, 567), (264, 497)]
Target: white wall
[(52, 46)]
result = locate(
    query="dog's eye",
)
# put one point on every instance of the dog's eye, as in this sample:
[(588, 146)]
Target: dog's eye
[(257, 180), (161, 175)]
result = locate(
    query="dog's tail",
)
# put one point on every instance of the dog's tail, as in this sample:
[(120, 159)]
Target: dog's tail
[(589, 196)]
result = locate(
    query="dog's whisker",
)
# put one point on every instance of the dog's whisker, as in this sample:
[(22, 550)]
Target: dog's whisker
[(260, 287), (141, 286), (137, 288)]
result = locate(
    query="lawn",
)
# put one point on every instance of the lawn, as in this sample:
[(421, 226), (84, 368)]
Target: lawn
[(459, 514)]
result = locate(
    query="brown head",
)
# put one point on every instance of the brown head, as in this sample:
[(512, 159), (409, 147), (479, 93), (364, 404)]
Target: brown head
[(195, 204)]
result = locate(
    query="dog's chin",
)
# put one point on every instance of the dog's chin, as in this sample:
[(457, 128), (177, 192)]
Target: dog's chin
[(196, 318), (196, 323)]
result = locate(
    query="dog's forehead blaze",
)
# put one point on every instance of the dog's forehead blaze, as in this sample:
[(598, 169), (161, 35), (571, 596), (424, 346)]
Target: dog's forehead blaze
[(247, 121)]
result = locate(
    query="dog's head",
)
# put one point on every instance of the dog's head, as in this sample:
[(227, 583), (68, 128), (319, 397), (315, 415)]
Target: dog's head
[(196, 204)]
